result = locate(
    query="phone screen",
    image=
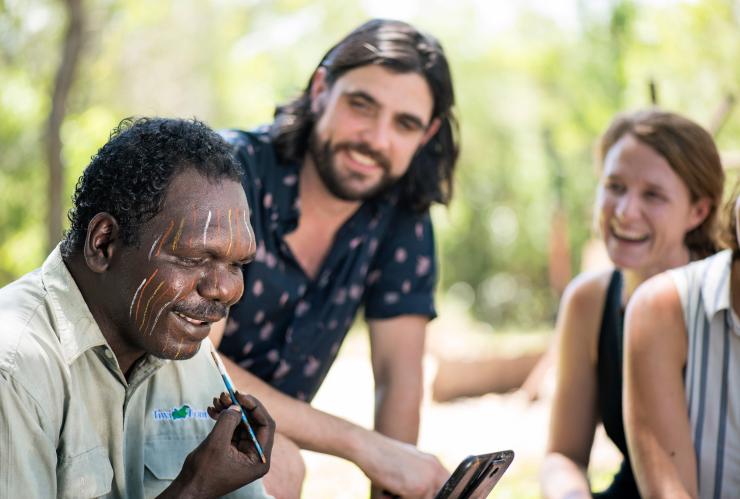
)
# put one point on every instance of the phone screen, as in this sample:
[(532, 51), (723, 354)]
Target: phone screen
[(476, 476)]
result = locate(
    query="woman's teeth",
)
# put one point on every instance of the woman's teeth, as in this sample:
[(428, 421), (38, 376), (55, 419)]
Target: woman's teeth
[(629, 235)]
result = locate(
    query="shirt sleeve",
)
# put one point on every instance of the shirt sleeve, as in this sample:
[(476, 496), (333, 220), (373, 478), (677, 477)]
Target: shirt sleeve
[(402, 277), (28, 457)]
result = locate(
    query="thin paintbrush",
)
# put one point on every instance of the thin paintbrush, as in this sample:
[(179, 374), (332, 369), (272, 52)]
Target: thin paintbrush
[(230, 388)]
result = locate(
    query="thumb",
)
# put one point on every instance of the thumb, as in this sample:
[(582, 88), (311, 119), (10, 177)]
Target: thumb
[(227, 422)]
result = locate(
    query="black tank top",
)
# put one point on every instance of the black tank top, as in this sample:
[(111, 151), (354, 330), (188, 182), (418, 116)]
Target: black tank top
[(609, 386)]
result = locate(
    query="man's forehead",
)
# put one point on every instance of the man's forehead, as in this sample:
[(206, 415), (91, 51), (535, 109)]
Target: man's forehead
[(194, 195), (408, 92)]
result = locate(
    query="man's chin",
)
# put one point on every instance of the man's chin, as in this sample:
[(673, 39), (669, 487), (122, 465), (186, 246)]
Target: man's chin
[(181, 351)]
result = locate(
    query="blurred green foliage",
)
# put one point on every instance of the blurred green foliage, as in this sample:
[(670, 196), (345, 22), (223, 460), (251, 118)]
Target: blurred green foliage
[(523, 71)]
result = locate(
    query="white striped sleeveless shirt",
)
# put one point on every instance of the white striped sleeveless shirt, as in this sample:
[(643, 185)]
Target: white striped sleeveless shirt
[(712, 373)]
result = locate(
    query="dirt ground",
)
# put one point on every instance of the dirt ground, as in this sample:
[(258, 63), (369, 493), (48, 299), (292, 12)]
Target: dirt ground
[(451, 430)]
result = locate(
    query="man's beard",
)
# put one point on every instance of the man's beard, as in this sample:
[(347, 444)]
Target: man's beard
[(323, 154)]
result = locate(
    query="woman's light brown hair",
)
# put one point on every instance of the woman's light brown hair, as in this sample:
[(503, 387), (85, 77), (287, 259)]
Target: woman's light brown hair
[(690, 151)]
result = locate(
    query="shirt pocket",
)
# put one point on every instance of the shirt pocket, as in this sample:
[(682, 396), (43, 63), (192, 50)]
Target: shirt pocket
[(85, 475), (163, 460)]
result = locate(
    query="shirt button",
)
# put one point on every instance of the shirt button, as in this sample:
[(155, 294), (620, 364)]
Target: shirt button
[(109, 354)]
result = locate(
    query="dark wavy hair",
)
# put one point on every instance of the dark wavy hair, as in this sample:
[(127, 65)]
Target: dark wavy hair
[(399, 47), (129, 175), (690, 151)]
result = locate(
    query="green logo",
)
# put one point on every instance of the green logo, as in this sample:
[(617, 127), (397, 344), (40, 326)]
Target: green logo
[(181, 413)]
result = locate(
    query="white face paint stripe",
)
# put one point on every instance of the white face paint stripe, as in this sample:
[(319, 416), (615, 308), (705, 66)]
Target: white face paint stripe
[(154, 246), (205, 229), (131, 309), (250, 234), (151, 330)]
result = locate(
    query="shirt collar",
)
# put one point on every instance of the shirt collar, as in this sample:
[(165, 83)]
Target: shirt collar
[(76, 326), (78, 331), (715, 289)]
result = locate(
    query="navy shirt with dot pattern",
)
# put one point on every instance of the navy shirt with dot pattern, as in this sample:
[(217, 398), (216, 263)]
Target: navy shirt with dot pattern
[(287, 328)]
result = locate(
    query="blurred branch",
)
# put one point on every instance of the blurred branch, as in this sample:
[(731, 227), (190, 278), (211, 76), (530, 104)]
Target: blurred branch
[(721, 114), (653, 87), (73, 42)]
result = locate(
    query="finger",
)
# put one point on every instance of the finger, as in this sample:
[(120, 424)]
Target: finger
[(256, 411), (227, 422), (246, 400), (225, 399), (263, 425)]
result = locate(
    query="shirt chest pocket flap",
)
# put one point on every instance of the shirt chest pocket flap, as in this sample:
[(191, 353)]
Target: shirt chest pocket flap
[(85, 475), (164, 457)]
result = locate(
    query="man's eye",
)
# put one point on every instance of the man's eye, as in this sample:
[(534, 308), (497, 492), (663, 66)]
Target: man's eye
[(360, 105), (190, 262), (408, 125)]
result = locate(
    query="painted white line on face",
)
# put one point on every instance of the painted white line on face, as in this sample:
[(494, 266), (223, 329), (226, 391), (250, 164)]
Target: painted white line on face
[(156, 319), (154, 246), (205, 229), (250, 234), (131, 309)]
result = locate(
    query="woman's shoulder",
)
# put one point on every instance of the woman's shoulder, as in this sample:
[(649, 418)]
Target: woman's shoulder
[(588, 290), (581, 310)]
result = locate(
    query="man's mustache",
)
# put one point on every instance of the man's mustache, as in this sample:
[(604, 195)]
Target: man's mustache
[(209, 311), (364, 149)]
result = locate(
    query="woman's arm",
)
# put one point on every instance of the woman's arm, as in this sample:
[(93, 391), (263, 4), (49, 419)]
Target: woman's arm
[(574, 412), (655, 411)]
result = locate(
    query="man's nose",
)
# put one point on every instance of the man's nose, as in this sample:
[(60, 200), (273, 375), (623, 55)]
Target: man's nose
[(221, 284), (378, 134)]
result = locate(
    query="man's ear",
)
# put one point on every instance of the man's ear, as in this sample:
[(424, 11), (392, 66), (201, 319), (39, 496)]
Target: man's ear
[(431, 130), (102, 242), (319, 90)]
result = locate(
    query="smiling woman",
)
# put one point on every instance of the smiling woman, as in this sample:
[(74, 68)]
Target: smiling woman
[(656, 206)]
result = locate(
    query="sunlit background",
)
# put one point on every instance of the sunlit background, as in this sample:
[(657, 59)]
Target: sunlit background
[(536, 82)]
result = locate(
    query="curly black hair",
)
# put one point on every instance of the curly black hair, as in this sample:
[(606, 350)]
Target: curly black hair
[(129, 175)]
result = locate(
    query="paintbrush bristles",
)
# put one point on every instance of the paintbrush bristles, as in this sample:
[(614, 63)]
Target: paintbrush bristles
[(219, 362)]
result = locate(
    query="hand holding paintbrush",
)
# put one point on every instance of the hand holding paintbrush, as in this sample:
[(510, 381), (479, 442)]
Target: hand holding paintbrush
[(228, 458), (233, 399)]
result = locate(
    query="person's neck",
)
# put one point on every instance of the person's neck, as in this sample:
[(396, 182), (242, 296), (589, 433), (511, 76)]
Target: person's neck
[(634, 277), (317, 202), (88, 284)]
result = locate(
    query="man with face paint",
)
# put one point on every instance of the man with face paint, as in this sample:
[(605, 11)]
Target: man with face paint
[(341, 185), (106, 374)]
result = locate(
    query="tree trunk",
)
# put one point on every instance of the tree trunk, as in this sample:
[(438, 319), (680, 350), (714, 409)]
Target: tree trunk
[(73, 42)]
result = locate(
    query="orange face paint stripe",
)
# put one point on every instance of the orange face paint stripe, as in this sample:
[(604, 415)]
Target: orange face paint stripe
[(178, 234), (143, 319), (142, 292), (165, 236), (236, 223)]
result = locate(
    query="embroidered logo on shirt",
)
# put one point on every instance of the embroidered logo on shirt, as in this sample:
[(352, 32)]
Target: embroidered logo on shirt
[(184, 412)]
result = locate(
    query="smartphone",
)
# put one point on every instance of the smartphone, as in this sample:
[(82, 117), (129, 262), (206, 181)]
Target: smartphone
[(476, 476)]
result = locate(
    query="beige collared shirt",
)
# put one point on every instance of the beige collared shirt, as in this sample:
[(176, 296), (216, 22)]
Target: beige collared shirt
[(70, 423)]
